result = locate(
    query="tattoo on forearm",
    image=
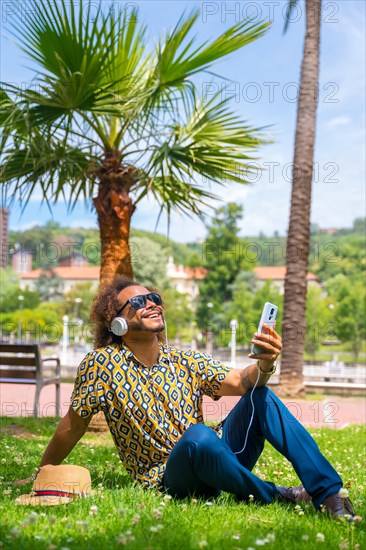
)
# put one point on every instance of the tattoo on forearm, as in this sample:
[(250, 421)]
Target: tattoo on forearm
[(245, 381)]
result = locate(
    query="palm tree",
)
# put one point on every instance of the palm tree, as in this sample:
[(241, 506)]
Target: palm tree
[(108, 118), (298, 238)]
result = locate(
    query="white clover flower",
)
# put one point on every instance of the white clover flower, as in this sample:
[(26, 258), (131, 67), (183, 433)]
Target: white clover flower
[(209, 503), (121, 539), (305, 537), (157, 513), (202, 543), (236, 537), (93, 510), (270, 537), (343, 545), (167, 497), (136, 518), (320, 537), (251, 498), (81, 523), (343, 493), (260, 542), (14, 533)]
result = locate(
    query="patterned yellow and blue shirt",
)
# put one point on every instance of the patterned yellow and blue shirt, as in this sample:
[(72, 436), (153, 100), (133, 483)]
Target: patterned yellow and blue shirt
[(147, 409)]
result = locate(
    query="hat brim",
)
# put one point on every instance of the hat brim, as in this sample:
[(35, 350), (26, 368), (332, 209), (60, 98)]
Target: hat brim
[(33, 500)]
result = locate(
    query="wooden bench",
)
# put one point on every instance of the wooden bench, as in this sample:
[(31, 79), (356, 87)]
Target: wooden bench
[(23, 364)]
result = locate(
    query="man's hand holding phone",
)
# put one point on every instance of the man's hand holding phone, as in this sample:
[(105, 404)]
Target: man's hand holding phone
[(267, 343), (270, 344)]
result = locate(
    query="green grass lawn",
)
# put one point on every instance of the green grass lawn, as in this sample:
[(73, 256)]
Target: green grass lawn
[(119, 513)]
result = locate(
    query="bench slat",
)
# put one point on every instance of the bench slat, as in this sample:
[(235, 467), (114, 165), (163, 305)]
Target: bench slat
[(16, 360), (18, 348), (18, 374), (16, 381)]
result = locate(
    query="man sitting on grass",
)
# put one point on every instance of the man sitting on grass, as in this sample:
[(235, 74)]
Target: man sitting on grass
[(152, 400)]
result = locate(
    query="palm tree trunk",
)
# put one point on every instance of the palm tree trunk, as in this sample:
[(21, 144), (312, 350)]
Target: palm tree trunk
[(115, 208), (298, 241)]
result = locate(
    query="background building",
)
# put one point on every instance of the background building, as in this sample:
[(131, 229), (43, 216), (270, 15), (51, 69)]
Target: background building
[(277, 275)]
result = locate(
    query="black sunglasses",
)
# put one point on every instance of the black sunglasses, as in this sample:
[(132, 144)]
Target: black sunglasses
[(138, 302)]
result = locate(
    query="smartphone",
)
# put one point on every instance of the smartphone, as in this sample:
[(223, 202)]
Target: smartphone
[(268, 317)]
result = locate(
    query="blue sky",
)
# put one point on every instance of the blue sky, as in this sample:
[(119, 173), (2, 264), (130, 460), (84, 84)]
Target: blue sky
[(264, 79)]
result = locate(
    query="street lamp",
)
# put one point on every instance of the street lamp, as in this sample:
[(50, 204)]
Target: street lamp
[(21, 299), (77, 302), (233, 325), (65, 337), (332, 336), (77, 320), (209, 344)]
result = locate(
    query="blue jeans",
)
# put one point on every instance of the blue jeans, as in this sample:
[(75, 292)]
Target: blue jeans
[(202, 464)]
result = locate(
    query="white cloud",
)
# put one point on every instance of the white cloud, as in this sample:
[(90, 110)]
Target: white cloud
[(26, 225), (338, 121)]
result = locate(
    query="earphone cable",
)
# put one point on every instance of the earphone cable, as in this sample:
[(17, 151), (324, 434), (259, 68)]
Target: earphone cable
[(252, 415)]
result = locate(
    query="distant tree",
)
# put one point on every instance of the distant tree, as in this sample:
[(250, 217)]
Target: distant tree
[(10, 302), (224, 258), (343, 254), (42, 324), (359, 226), (76, 309), (194, 260), (179, 315), (9, 280), (49, 286), (149, 262), (318, 319), (349, 311)]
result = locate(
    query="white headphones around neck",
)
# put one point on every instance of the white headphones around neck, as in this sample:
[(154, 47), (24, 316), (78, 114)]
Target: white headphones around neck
[(119, 326)]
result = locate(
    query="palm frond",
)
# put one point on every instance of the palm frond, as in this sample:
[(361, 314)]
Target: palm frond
[(212, 143), (177, 60), (78, 56), (175, 194), (289, 9), (54, 167)]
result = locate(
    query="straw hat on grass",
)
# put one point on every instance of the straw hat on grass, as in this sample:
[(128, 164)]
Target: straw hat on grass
[(57, 485)]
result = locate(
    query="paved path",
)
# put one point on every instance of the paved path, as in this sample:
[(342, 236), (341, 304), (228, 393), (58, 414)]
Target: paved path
[(333, 412)]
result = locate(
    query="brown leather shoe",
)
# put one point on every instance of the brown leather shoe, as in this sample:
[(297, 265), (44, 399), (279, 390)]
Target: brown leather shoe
[(294, 494), (338, 507)]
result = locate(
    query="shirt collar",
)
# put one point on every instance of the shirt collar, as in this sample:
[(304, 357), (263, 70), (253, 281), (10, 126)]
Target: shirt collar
[(129, 355)]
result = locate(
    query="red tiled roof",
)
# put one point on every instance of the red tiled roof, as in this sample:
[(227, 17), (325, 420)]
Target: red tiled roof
[(196, 272), (89, 272), (277, 272)]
